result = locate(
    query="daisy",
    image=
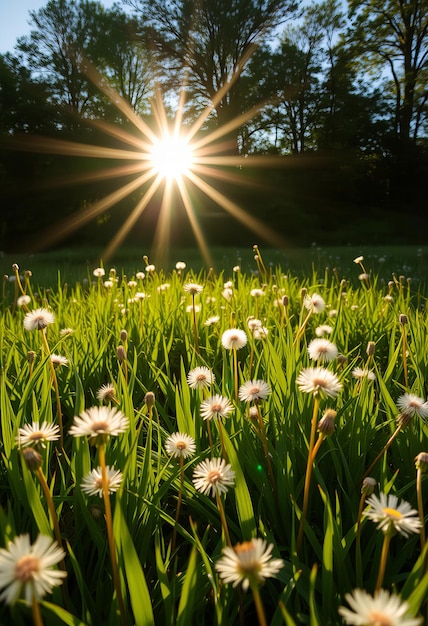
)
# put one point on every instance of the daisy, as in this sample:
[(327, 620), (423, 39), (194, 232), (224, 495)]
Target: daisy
[(140, 275), (59, 361), (215, 407), (253, 323), (227, 294), (314, 303), (213, 475), (211, 321), (99, 272), (28, 569), (38, 319), (257, 293), (234, 339), (35, 434), (180, 445), (412, 405), (358, 260), (322, 350), (318, 380), (23, 300), (193, 288), (357, 372), (391, 516), (107, 393), (322, 330), (150, 268), (64, 332), (254, 391), (382, 609), (92, 482), (261, 332), (180, 266), (200, 377), (249, 563), (98, 423)]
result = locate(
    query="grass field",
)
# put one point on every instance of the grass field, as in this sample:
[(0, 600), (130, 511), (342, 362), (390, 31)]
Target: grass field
[(213, 448)]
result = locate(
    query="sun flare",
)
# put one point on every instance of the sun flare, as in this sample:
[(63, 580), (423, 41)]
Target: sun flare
[(172, 156), (162, 159)]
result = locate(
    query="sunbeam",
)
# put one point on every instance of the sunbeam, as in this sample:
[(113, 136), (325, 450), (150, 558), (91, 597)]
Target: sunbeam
[(168, 157)]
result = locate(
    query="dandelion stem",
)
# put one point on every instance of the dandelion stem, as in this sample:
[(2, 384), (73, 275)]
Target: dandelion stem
[(235, 372), (359, 573), (109, 525), (383, 559), (223, 519), (406, 375), (179, 499), (259, 605), (37, 617), (40, 475), (382, 452), (195, 328), (420, 506), (265, 447), (302, 328), (308, 472), (55, 384)]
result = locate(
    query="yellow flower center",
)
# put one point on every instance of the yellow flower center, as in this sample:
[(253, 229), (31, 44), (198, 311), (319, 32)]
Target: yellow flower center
[(25, 567), (392, 513), (214, 476), (100, 427), (99, 483), (36, 436), (379, 619)]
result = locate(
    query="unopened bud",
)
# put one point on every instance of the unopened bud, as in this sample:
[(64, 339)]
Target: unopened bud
[(326, 423), (371, 347), (31, 356), (421, 462), (368, 486), (285, 301), (149, 399), (32, 458), (123, 335), (403, 319), (15, 267), (121, 353)]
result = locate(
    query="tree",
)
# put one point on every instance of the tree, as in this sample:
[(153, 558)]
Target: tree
[(391, 36), (207, 43)]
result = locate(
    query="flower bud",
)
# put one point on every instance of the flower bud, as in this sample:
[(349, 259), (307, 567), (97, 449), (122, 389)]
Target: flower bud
[(32, 458), (326, 423), (149, 399), (421, 462), (368, 486)]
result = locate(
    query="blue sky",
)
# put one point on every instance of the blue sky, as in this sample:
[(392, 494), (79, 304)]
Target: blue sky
[(14, 18)]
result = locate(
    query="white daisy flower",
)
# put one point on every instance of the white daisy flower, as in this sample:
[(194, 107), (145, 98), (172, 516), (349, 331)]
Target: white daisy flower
[(180, 445), (213, 475), (215, 407), (23, 300), (140, 275), (357, 372), (92, 482), (193, 288), (322, 350), (200, 377), (314, 303), (254, 391), (249, 563), (383, 609), (322, 330), (193, 307), (358, 260), (38, 319), (150, 268), (98, 423), (253, 323), (234, 339), (37, 435), (27, 569), (64, 332), (318, 380), (58, 360), (412, 405), (257, 293), (107, 393), (180, 266), (99, 272), (211, 321), (227, 294), (261, 332), (391, 516)]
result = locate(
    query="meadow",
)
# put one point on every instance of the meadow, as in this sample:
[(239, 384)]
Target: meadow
[(241, 444)]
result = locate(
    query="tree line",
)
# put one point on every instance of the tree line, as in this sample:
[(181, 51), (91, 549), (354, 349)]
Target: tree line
[(337, 93)]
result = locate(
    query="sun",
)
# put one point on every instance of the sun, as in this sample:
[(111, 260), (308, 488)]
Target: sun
[(168, 157), (172, 157)]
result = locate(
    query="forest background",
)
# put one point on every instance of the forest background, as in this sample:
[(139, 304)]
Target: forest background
[(332, 96)]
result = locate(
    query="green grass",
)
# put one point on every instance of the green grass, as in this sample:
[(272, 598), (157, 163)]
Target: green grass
[(176, 587)]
